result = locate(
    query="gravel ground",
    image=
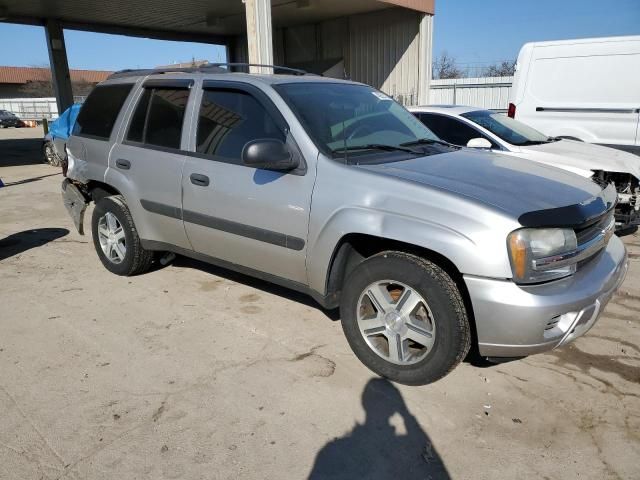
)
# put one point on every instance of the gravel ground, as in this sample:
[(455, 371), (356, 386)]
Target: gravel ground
[(192, 372)]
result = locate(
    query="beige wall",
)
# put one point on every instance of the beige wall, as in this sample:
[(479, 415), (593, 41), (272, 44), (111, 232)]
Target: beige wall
[(380, 48)]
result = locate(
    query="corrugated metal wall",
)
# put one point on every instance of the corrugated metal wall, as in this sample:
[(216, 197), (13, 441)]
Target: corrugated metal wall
[(380, 48), (488, 92), (384, 52)]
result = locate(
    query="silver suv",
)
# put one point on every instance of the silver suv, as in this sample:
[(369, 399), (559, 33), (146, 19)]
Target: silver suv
[(331, 188)]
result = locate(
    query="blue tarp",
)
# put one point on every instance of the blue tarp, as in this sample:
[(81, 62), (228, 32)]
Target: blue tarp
[(62, 126)]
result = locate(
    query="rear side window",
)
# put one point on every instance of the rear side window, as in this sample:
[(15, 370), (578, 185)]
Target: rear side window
[(100, 111), (228, 120), (158, 117), (449, 129)]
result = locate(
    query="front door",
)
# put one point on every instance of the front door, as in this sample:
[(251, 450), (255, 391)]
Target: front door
[(246, 216)]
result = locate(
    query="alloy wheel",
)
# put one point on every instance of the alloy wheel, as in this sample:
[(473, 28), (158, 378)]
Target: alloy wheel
[(396, 322), (111, 237)]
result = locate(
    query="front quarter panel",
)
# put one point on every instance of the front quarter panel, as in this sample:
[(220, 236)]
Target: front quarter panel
[(348, 199)]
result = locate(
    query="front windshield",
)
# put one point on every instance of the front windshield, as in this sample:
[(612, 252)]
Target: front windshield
[(342, 116), (508, 129)]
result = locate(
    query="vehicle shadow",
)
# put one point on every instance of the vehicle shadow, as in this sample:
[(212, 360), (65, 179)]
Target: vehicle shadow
[(375, 450), (20, 242), (252, 282), (29, 180), (21, 151)]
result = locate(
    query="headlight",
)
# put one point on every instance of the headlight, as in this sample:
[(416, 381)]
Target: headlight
[(540, 254)]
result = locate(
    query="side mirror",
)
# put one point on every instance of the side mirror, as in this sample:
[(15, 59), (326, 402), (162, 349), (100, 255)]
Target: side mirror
[(268, 154), (479, 143)]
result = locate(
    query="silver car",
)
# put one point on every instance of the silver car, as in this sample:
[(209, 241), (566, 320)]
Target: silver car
[(331, 188)]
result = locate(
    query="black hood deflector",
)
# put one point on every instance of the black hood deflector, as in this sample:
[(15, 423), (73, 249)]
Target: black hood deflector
[(572, 216)]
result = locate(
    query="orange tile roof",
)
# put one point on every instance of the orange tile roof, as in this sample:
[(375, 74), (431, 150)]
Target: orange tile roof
[(23, 75)]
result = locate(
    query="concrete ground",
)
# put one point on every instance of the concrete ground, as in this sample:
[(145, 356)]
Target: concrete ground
[(194, 372)]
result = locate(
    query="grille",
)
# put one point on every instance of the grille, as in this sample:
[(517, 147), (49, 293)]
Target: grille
[(590, 232)]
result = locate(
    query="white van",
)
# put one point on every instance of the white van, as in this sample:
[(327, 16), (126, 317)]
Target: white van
[(585, 89)]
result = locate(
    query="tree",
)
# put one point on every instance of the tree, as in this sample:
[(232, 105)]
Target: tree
[(44, 87), (81, 88), (37, 88), (503, 69), (445, 67)]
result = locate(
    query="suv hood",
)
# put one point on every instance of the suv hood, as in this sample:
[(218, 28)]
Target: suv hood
[(511, 184), (587, 156)]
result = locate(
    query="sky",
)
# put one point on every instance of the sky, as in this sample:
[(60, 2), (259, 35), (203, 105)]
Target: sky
[(481, 32), (475, 32), (98, 51)]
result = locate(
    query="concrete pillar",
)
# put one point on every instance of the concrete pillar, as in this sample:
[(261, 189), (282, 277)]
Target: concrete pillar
[(425, 58), (259, 35), (59, 65)]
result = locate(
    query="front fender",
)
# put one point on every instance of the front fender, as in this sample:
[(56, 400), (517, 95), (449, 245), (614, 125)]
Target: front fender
[(479, 255)]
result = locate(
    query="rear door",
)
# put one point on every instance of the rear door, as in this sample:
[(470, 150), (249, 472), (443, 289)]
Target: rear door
[(242, 215), (586, 90), (146, 166)]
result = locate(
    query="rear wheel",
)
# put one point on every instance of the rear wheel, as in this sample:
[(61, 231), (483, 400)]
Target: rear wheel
[(404, 318), (116, 239)]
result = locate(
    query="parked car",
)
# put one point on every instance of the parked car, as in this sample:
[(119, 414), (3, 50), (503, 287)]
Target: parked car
[(9, 119), (55, 141), (484, 129), (586, 90), (331, 188)]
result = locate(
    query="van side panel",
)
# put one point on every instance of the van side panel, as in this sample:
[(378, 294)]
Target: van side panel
[(583, 89)]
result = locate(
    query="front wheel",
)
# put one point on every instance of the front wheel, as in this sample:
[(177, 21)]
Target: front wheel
[(116, 239), (405, 318)]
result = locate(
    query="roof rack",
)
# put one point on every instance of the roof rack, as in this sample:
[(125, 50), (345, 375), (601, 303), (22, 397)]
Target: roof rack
[(206, 68)]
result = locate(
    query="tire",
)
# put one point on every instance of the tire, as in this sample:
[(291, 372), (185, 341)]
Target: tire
[(134, 260), (50, 156), (439, 311)]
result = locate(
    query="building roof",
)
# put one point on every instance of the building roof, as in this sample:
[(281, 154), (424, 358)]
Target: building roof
[(22, 75), (208, 21)]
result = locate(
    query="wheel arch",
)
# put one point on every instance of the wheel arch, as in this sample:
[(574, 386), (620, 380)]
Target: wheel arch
[(98, 190), (354, 248)]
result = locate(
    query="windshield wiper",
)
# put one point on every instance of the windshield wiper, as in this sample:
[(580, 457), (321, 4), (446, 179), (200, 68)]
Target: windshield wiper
[(526, 143), (375, 146), (426, 141)]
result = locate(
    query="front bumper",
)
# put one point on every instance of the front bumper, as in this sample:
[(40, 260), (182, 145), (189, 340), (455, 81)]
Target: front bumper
[(514, 320)]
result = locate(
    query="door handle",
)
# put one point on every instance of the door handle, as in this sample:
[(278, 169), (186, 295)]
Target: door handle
[(123, 164), (199, 179)]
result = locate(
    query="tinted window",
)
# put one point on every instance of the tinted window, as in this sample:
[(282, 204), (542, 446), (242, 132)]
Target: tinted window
[(100, 111), (136, 126), (229, 119), (449, 129), (158, 117), (508, 129)]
